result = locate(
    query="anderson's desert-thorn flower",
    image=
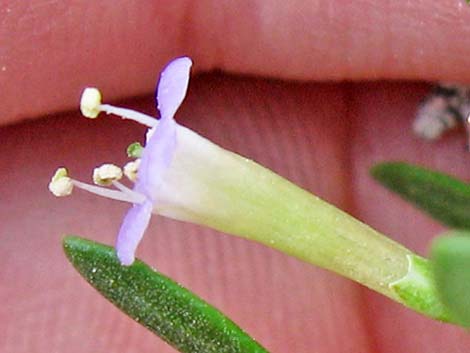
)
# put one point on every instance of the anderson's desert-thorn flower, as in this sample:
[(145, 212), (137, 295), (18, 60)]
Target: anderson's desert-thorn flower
[(182, 175)]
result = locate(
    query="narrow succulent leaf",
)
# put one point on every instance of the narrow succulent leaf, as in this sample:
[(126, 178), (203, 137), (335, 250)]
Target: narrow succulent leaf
[(172, 312), (451, 263), (445, 198)]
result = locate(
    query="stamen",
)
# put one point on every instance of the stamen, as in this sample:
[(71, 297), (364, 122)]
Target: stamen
[(61, 185), (105, 174), (131, 169), (132, 197), (129, 114), (90, 106), (125, 189), (134, 150), (90, 102)]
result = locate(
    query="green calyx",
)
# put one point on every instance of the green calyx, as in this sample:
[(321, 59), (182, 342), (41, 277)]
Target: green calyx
[(417, 290)]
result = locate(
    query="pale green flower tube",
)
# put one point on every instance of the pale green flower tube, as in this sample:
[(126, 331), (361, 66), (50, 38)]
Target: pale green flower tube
[(220, 189), (211, 186), (184, 176)]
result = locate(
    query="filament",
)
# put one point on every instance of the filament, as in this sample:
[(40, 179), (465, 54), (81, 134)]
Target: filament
[(131, 196), (129, 114)]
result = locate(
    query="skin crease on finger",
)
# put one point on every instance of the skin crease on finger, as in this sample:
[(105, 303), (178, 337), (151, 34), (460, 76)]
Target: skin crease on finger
[(51, 49)]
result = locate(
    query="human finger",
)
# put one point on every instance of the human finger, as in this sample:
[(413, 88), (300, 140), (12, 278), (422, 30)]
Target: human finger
[(51, 50)]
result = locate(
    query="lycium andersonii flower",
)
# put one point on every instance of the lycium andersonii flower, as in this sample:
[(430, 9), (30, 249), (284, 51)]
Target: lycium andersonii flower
[(184, 176)]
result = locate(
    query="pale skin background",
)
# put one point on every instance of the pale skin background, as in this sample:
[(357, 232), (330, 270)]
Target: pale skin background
[(267, 104)]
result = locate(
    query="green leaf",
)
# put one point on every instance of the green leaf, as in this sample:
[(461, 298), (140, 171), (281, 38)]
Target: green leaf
[(451, 263), (172, 312), (445, 198)]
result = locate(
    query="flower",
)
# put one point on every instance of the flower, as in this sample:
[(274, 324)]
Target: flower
[(184, 176)]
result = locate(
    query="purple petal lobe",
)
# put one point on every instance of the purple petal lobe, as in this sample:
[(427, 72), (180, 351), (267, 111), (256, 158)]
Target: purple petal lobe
[(156, 158), (132, 230), (172, 86)]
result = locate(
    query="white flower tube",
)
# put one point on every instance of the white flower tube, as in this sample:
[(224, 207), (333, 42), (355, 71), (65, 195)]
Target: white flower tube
[(184, 176)]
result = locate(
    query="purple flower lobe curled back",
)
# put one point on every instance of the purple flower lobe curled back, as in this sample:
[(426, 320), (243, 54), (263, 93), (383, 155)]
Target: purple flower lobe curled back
[(156, 156), (132, 229), (172, 87)]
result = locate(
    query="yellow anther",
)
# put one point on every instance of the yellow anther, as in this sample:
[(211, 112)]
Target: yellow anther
[(90, 102), (61, 184), (106, 174), (131, 169)]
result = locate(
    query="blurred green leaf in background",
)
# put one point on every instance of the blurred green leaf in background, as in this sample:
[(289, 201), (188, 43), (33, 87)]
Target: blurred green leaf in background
[(451, 261), (445, 198)]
